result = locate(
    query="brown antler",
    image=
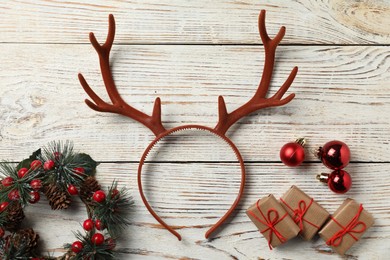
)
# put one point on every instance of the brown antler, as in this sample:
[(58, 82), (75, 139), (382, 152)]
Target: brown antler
[(118, 106), (259, 101)]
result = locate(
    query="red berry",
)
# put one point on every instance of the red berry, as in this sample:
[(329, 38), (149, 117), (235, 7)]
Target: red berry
[(99, 196), (97, 239), (3, 206), (88, 224), (57, 155), (14, 195), (111, 243), (34, 197), (22, 172), (114, 193), (79, 170), (7, 181), (99, 225), (48, 165), (2, 232), (36, 184), (72, 190), (77, 246), (35, 164)]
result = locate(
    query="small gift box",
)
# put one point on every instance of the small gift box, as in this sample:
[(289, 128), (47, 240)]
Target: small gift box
[(307, 214), (346, 226), (273, 221)]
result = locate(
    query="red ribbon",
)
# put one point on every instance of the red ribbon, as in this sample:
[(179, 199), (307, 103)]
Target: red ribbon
[(300, 212), (350, 228), (270, 221)]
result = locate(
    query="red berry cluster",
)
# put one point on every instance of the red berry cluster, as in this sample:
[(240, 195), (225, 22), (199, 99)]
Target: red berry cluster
[(91, 225)]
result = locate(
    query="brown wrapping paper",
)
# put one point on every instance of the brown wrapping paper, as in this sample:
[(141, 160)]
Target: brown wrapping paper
[(307, 214), (346, 215), (284, 227)]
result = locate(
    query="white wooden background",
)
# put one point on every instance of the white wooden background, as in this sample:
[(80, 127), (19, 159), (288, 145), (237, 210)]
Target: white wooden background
[(188, 53)]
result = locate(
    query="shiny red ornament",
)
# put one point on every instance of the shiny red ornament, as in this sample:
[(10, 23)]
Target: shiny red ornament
[(97, 239), (293, 154), (334, 154), (48, 165), (77, 246), (34, 197), (22, 172), (35, 164), (14, 195), (3, 206), (99, 196), (114, 193), (339, 181), (72, 190), (7, 181), (36, 184), (88, 224)]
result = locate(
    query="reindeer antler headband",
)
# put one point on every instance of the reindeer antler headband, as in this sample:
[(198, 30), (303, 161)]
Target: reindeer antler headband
[(225, 119)]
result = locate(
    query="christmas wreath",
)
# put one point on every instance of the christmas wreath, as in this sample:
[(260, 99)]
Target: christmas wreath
[(61, 175)]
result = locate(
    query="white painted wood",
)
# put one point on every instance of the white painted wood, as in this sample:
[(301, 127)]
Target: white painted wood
[(195, 211), (201, 21), (341, 93), (177, 50)]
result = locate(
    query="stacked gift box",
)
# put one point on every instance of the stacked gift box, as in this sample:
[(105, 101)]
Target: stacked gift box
[(297, 213)]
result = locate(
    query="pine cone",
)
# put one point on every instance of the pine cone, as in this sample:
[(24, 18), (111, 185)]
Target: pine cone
[(26, 239), (58, 199), (89, 186), (15, 216)]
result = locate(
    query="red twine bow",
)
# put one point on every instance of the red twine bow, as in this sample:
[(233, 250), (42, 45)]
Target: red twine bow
[(270, 222), (300, 212), (350, 228)]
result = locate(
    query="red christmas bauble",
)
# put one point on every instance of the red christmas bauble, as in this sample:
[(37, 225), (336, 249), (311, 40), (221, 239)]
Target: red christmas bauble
[(3, 206), (99, 196), (48, 165), (14, 195), (22, 172), (35, 164), (97, 239), (339, 181), (99, 225), (334, 154), (36, 184), (72, 190), (292, 154), (34, 197), (88, 224), (77, 246), (7, 181), (79, 170)]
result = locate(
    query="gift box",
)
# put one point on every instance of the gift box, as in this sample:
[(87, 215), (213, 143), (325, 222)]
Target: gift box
[(273, 221), (346, 226), (307, 214)]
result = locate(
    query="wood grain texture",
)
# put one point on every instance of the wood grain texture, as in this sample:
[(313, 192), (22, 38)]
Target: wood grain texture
[(202, 21), (189, 53), (341, 93), (193, 210)]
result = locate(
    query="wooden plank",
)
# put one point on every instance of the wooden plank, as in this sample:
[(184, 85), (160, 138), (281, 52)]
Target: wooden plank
[(178, 194), (203, 21), (341, 93)]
